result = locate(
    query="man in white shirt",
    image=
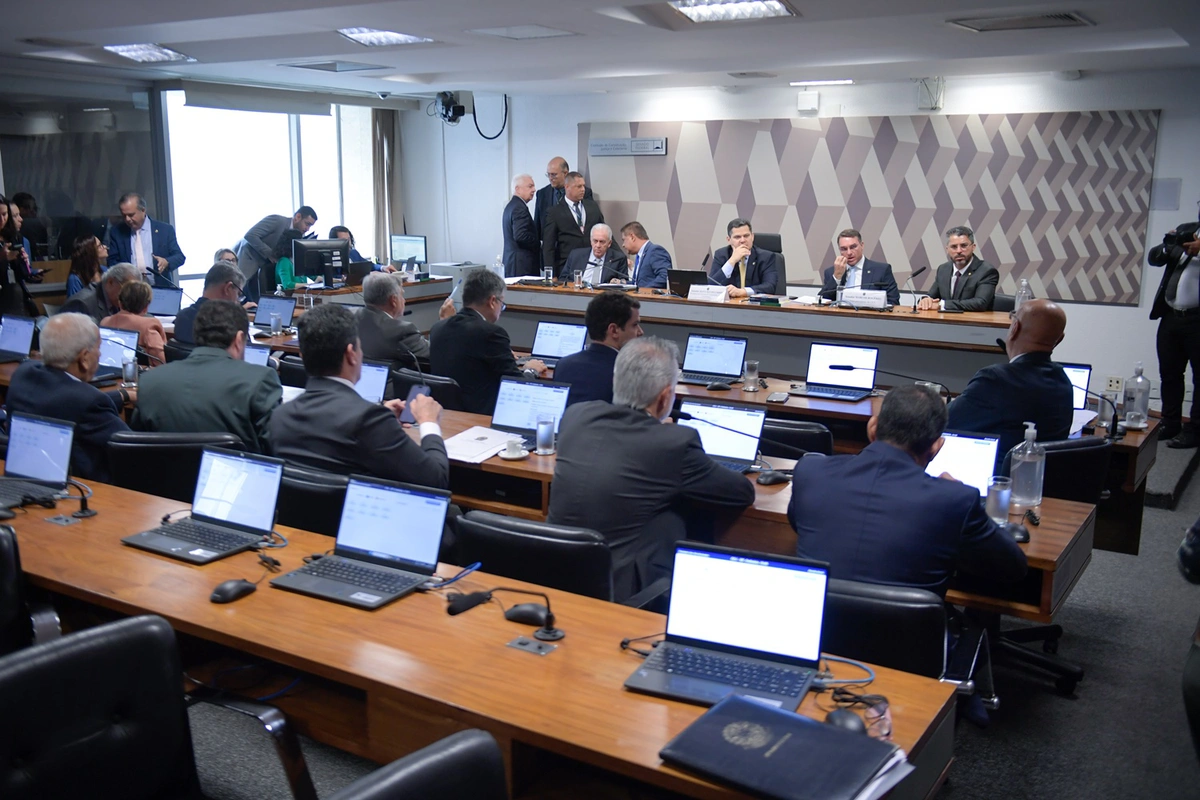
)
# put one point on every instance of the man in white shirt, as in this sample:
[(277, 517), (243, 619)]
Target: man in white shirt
[(851, 270), (964, 283), (601, 263), (148, 244)]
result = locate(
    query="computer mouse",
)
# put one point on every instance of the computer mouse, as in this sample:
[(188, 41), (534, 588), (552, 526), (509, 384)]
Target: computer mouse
[(1019, 532), (232, 590), (527, 614), (718, 386), (846, 719), (772, 478)]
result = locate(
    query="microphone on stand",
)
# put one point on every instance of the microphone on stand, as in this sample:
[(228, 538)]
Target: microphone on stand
[(914, 288), (465, 602), (1114, 433), (913, 378)]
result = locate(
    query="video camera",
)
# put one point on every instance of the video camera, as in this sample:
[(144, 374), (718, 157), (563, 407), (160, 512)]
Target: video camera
[(1171, 251)]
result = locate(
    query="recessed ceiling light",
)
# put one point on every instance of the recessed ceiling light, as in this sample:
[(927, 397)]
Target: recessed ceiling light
[(522, 32), (839, 82), (730, 10), (99, 108), (376, 38), (147, 53)]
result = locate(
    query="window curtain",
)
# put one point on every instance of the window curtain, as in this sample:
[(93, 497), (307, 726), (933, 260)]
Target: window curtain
[(389, 201)]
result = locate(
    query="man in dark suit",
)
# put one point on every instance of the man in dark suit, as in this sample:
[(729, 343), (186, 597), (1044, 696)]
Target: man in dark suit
[(256, 250), (223, 281), (877, 517), (1029, 387), (642, 484), (552, 194), (146, 243), (57, 386), (384, 334), (850, 270), (472, 349), (613, 320), (331, 427), (650, 261), (1177, 342), (99, 300), (568, 225), (964, 283), (522, 242), (213, 390), (741, 266), (599, 263)]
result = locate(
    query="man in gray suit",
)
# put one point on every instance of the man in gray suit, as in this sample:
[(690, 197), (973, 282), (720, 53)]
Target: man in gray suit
[(100, 299), (384, 334), (964, 283), (256, 250), (331, 427), (213, 390), (641, 483)]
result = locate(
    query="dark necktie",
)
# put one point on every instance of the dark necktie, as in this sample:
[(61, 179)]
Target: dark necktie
[(954, 285), (558, 196), (578, 215), (1173, 284)]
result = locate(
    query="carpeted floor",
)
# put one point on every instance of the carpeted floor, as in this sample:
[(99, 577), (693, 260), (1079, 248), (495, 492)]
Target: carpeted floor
[(1167, 479)]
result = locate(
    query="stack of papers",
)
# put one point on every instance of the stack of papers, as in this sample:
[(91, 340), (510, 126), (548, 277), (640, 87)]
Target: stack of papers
[(477, 444)]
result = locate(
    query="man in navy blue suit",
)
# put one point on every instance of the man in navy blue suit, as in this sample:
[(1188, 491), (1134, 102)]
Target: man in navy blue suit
[(744, 268), (877, 517), (57, 386), (612, 319), (649, 262), (144, 242), (851, 271)]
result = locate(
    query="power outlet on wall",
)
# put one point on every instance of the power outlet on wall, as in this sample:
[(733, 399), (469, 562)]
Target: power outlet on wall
[(1114, 384)]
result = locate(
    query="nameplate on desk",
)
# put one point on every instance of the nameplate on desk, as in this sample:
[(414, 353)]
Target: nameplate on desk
[(708, 294), (865, 298)]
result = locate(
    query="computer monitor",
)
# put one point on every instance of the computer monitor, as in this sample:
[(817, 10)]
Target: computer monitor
[(406, 246), (321, 258)]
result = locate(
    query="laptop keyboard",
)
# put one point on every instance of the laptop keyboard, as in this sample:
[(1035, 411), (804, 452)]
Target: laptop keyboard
[(13, 492), (736, 466), (820, 391), (199, 534), (346, 571), (692, 663), (699, 377)]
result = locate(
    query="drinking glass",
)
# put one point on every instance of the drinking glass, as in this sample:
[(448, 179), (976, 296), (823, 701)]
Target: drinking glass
[(750, 380), (578, 279), (276, 324), (998, 497), (548, 274), (545, 434), (129, 373)]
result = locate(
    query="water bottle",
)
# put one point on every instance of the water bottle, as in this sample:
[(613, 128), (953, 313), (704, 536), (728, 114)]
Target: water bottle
[(1023, 293), (1137, 399), (1027, 470), (279, 290), (498, 264)]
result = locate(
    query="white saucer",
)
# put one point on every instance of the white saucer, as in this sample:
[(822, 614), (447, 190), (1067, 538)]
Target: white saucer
[(523, 455)]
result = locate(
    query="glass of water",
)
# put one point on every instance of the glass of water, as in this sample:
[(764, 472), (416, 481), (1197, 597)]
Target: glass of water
[(578, 279), (545, 434), (129, 373), (998, 497), (276, 324), (750, 381)]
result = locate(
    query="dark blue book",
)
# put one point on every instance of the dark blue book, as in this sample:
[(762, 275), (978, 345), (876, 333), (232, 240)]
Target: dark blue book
[(779, 754)]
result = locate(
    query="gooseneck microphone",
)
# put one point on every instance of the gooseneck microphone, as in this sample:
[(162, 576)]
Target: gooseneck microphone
[(465, 602), (914, 288), (913, 378), (795, 452)]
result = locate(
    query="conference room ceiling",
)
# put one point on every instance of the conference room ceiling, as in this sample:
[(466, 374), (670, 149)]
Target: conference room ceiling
[(619, 47)]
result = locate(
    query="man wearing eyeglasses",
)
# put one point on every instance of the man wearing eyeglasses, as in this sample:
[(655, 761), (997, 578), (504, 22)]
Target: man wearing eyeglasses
[(552, 194), (223, 282)]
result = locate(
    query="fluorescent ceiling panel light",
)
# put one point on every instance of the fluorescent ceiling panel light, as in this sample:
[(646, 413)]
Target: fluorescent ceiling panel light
[(147, 53), (522, 32), (376, 38), (839, 82), (100, 108), (730, 10), (337, 66)]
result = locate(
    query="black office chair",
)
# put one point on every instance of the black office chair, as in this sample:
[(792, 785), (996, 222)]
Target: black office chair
[(445, 390), (1004, 302), (311, 499), (774, 243), (100, 713), (291, 371), (465, 766), (572, 559), (163, 464), (22, 622), (176, 350), (812, 437)]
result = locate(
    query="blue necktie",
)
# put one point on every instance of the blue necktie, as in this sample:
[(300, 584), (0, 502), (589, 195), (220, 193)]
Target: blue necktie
[(637, 263)]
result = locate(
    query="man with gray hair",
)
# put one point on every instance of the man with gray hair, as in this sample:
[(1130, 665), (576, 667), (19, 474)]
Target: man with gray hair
[(381, 329), (148, 244), (600, 263), (964, 283), (57, 386), (223, 281), (100, 299), (641, 483), (522, 243)]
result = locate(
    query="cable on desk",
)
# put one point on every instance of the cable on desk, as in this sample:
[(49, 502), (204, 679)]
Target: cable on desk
[(626, 644), (266, 543), (166, 518), (825, 679), (432, 586)]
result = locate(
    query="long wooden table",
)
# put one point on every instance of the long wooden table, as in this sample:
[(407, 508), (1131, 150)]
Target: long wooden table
[(384, 683)]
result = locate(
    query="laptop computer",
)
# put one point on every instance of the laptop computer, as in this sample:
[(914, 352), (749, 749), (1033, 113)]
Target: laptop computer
[(283, 306), (1080, 376), (679, 281), (258, 354), (839, 372), (521, 401), (117, 345), (737, 451), (713, 358), (373, 383), (233, 509), (165, 302), (38, 461), (719, 640), (16, 337), (969, 457), (387, 545), (555, 340)]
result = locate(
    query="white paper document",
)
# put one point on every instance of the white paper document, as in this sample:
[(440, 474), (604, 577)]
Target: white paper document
[(1081, 417), (477, 444)]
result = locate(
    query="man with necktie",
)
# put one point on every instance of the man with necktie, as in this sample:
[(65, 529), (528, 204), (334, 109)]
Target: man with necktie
[(569, 224), (744, 268), (650, 261), (964, 283), (146, 243), (851, 271), (552, 194)]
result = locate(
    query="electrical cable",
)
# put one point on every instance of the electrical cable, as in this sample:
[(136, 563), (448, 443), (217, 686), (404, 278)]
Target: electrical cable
[(831, 682), (503, 124), (626, 644)]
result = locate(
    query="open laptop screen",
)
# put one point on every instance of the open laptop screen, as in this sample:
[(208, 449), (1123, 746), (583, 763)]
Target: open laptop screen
[(558, 339), (373, 381), (969, 457), (16, 335), (39, 449), (394, 524), (840, 365), (721, 443), (165, 301), (240, 489), (1080, 375), (520, 402), (117, 346), (257, 354), (714, 355), (724, 598), (283, 306)]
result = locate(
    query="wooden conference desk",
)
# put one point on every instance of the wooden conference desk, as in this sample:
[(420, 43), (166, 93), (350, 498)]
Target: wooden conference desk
[(384, 683)]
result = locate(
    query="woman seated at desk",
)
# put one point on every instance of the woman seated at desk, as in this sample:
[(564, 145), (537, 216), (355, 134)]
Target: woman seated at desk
[(285, 268), (134, 299), (87, 263)]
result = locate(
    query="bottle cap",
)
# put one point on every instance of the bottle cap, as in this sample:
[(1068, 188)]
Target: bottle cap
[(1030, 431)]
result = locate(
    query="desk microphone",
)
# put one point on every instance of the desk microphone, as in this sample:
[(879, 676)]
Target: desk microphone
[(850, 367), (795, 452), (465, 602), (914, 288), (1114, 433)]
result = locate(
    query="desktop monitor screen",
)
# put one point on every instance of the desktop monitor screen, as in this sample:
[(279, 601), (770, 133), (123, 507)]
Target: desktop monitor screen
[(406, 246), (321, 258)]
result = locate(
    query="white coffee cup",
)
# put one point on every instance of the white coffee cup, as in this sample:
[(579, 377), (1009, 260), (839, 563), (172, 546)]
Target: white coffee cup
[(514, 447)]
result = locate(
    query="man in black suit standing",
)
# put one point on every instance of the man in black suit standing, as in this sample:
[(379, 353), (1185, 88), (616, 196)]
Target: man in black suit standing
[(472, 349), (552, 194), (600, 263), (613, 320), (1177, 308), (851, 271), (522, 242), (384, 334), (331, 427), (964, 283), (569, 224), (741, 266)]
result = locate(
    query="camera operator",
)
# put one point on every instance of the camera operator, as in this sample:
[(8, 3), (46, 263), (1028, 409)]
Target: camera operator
[(1177, 307)]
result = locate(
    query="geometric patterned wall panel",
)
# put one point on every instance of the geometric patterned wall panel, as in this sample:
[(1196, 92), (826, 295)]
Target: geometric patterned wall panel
[(1059, 198)]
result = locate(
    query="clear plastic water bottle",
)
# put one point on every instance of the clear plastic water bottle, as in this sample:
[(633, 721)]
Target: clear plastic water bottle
[(498, 265), (1023, 293), (1137, 399), (1028, 467)]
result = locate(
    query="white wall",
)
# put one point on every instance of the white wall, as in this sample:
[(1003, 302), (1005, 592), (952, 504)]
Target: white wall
[(465, 222)]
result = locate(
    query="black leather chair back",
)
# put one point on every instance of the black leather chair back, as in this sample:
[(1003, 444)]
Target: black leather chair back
[(176, 350), (99, 713), (1004, 302), (164, 464), (810, 436), (311, 499), (769, 241), (465, 766), (15, 630), (1076, 469), (572, 559), (892, 626), (291, 371), (444, 390)]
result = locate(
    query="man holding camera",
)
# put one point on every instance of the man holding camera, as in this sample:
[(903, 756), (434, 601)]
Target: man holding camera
[(1177, 307)]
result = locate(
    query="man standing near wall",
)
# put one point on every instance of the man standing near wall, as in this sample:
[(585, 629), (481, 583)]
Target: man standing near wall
[(552, 194), (522, 241)]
